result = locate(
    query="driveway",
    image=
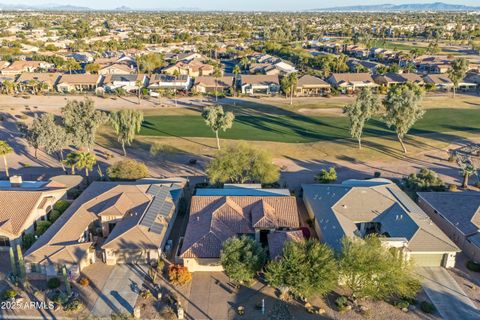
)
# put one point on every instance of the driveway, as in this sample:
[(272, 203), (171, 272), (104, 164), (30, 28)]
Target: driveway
[(210, 296), (445, 293), (120, 291)]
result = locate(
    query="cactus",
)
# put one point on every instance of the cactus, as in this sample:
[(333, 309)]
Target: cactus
[(13, 263), (67, 282), (21, 264)]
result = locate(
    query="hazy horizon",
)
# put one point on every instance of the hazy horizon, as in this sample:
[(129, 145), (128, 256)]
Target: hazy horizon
[(246, 5)]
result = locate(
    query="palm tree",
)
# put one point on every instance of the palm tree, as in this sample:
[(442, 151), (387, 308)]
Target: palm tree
[(293, 80), (86, 160), (216, 74), (71, 161), (467, 169), (236, 70), (245, 62), (5, 149)]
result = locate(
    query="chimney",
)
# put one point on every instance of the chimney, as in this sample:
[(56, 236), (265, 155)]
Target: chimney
[(15, 181)]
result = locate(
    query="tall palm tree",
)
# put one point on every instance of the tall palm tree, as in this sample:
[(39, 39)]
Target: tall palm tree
[(216, 74), (126, 124), (86, 160), (5, 149), (293, 80)]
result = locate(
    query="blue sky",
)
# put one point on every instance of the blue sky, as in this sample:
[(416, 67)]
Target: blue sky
[(269, 5)]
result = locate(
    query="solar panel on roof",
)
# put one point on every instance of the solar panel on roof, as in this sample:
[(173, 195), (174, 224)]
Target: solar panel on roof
[(157, 228), (167, 207), (159, 205)]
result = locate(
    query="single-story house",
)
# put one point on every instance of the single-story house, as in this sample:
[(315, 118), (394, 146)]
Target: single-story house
[(211, 84), (31, 80), (169, 82), (79, 82), (17, 67), (128, 82), (357, 208), (390, 78), (350, 82), (458, 215), (219, 214), (127, 222), (22, 204), (443, 82), (310, 86), (116, 68), (259, 84)]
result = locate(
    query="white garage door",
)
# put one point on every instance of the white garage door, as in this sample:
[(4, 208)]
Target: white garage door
[(427, 260), (131, 256)]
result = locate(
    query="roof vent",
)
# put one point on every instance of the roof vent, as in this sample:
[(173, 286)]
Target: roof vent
[(198, 218)]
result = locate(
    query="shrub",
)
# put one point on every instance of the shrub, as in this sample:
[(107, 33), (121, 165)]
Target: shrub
[(179, 275), (54, 215), (402, 304), (453, 188), (477, 184), (53, 283), (127, 170), (42, 226), (424, 180), (341, 302), (84, 282), (326, 176), (72, 304), (9, 294), (377, 174), (28, 240), (473, 266), (61, 205), (146, 294), (59, 297), (74, 193), (427, 307)]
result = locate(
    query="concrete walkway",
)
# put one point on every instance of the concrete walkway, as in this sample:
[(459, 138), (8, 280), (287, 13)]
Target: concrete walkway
[(450, 300), (120, 291)]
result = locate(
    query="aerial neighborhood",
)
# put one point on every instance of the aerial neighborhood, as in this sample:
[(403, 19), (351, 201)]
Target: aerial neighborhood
[(317, 164)]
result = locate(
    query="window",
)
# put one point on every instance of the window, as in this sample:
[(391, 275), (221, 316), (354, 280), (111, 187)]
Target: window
[(4, 242)]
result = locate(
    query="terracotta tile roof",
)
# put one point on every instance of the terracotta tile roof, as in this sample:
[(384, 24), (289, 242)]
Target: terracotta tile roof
[(352, 77), (214, 219), (17, 206), (311, 81), (50, 78), (260, 79), (338, 208), (210, 81), (80, 78), (128, 201), (277, 239)]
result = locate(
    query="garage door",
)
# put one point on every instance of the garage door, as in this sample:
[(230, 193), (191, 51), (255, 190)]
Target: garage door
[(131, 256), (427, 260)]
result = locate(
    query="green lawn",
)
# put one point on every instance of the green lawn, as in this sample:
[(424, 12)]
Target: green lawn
[(297, 128)]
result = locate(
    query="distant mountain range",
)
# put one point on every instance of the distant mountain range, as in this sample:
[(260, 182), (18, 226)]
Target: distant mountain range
[(437, 6), (59, 7), (45, 7)]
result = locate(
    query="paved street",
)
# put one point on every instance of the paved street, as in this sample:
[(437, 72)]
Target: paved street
[(120, 291), (451, 301)]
